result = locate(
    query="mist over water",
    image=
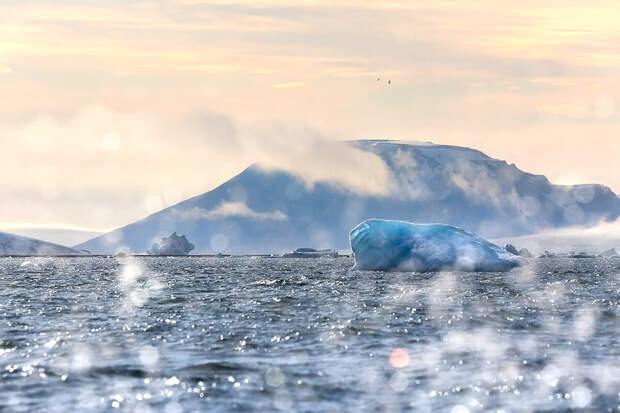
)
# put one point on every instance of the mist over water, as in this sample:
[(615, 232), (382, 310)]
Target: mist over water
[(240, 334)]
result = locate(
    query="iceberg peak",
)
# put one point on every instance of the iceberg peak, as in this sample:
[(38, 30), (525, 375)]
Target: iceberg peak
[(387, 245), (171, 245)]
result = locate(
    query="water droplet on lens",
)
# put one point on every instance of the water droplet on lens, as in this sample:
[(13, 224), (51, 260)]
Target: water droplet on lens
[(399, 358), (274, 377)]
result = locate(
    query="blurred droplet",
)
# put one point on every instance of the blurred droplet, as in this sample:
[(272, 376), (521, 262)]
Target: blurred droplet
[(111, 142), (274, 377), (173, 407), (130, 272), (399, 358), (399, 382), (81, 359), (153, 203), (283, 401), (529, 206), (581, 396), (585, 322), (573, 214), (459, 408), (142, 408), (149, 357), (172, 196), (294, 191), (584, 193), (238, 194), (604, 107), (219, 242)]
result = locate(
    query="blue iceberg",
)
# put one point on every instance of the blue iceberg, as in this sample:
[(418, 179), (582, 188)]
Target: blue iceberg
[(385, 245)]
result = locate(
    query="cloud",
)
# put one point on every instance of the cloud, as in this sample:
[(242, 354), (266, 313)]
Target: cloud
[(521, 79), (122, 166), (313, 157), (594, 239), (10, 226), (288, 85), (234, 209), (363, 4)]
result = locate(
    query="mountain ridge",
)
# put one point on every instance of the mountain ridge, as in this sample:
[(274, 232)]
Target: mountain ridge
[(263, 211), (11, 244)]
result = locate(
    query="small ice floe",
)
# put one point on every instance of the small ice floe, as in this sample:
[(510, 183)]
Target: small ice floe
[(610, 253), (311, 253), (523, 252)]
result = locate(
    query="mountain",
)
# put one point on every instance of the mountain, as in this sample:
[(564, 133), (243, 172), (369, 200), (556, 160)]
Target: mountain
[(16, 245), (260, 211), (60, 236)]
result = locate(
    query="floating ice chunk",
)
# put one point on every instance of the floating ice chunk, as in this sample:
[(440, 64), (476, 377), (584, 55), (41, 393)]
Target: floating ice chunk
[(511, 249), (386, 245), (610, 253), (172, 245), (311, 253), (523, 252)]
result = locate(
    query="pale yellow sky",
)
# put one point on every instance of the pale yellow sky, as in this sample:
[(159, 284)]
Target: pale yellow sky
[(113, 108)]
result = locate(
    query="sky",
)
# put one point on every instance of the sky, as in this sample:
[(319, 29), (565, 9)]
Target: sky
[(115, 109)]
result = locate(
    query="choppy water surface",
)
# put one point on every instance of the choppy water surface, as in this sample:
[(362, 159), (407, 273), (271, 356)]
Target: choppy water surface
[(233, 334)]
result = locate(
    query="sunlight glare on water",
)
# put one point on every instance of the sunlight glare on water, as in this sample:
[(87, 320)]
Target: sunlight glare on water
[(146, 334)]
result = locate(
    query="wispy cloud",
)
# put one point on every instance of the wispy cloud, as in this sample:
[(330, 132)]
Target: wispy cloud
[(594, 239), (288, 85), (136, 156), (234, 209), (8, 226), (354, 4)]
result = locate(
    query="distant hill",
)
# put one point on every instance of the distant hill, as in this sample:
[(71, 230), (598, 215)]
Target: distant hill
[(16, 245), (60, 236), (261, 211)]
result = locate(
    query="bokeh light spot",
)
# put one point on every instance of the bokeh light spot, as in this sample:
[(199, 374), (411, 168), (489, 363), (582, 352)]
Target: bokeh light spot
[(399, 358), (274, 377), (111, 142)]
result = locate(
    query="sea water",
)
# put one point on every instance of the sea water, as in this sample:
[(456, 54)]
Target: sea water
[(150, 334)]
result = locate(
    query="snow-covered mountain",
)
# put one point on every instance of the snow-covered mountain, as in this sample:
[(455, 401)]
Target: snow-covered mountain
[(16, 245), (260, 211)]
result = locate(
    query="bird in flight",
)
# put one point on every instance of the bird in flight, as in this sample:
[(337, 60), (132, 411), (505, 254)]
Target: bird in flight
[(389, 82)]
